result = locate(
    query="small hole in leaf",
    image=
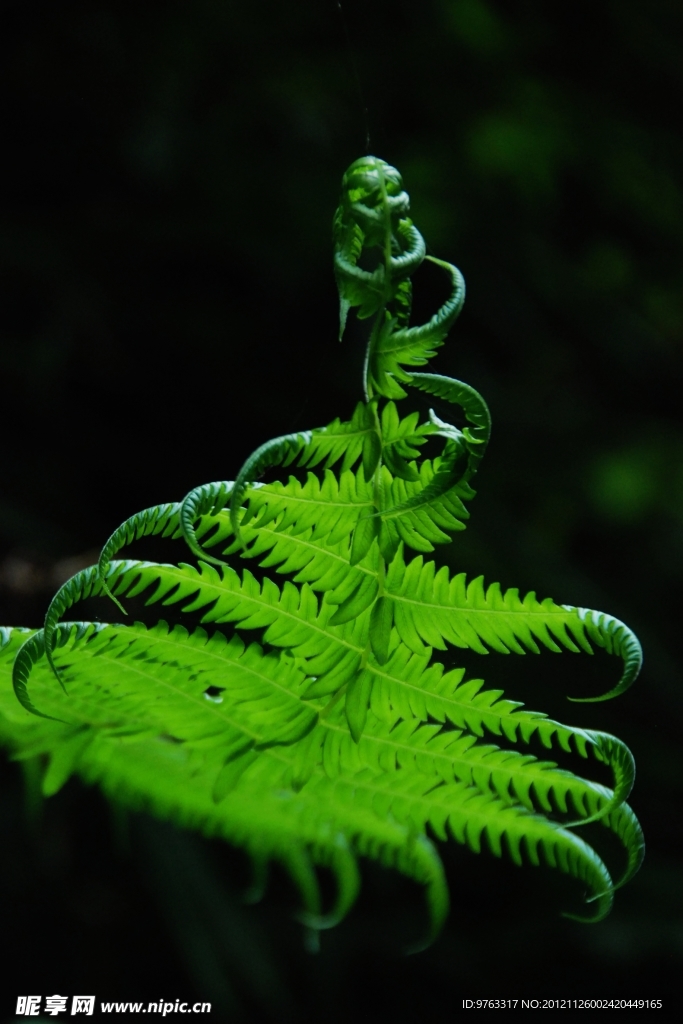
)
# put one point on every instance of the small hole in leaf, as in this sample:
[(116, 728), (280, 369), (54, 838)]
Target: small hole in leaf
[(213, 693)]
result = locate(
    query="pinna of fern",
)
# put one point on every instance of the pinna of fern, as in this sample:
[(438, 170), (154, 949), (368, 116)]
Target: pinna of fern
[(315, 714)]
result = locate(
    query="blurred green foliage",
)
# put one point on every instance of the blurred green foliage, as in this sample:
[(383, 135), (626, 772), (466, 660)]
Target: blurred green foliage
[(172, 169)]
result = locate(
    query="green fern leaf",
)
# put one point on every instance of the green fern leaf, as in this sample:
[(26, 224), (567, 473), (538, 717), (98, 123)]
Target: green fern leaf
[(160, 520), (413, 346), (217, 740), (431, 608), (308, 718), (281, 450)]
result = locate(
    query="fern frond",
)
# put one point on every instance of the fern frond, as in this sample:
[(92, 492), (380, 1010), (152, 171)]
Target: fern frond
[(86, 583), (420, 513), (397, 441), (356, 793), (623, 822), (409, 687), (209, 498), (136, 760), (306, 556), (413, 346), (510, 774), (472, 817), (159, 520), (416, 511), (465, 704), (279, 451), (290, 618), (402, 440), (476, 437), (339, 858), (616, 638), (173, 680), (449, 755), (332, 506), (273, 822), (431, 607), (347, 441), (336, 733)]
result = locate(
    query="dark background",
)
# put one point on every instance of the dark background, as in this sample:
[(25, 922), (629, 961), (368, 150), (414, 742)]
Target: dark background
[(167, 304)]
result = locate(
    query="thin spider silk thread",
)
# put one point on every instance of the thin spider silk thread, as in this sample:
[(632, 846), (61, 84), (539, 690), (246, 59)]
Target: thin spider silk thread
[(356, 75)]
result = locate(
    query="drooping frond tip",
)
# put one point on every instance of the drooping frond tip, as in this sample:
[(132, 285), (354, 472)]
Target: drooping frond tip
[(616, 638)]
